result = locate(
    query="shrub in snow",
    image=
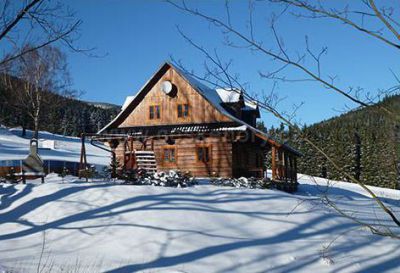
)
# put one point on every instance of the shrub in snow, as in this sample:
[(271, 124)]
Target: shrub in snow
[(161, 179), (89, 172), (64, 172), (242, 182)]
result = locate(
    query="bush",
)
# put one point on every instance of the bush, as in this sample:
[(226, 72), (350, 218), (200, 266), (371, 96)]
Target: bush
[(89, 172), (242, 182), (64, 172), (161, 179)]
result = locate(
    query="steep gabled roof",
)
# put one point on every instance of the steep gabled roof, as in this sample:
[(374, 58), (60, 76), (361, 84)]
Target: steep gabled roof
[(209, 94)]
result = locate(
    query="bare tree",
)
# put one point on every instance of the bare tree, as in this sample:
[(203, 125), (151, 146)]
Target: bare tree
[(36, 23), (40, 79), (30, 25), (219, 72)]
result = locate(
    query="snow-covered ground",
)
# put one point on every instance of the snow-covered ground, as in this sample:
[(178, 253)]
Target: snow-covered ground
[(106, 227), (15, 147)]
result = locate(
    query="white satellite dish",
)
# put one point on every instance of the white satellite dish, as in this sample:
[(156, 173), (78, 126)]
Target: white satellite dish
[(166, 87)]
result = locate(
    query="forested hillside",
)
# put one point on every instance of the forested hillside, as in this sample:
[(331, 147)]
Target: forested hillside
[(61, 115), (364, 142)]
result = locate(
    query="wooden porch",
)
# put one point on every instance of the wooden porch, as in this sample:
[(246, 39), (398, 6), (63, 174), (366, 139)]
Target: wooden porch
[(284, 169)]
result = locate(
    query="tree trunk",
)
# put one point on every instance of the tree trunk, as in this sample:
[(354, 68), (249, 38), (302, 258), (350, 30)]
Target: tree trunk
[(36, 125)]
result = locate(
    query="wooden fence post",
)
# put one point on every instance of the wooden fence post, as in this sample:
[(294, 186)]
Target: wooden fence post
[(82, 162)]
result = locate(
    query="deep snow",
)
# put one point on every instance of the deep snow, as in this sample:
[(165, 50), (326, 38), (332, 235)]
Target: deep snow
[(106, 227)]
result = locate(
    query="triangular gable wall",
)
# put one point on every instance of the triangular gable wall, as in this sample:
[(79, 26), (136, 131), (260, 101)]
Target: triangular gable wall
[(201, 109)]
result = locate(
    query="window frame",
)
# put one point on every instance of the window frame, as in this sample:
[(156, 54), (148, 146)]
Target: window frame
[(169, 162), (155, 116), (183, 110), (204, 146)]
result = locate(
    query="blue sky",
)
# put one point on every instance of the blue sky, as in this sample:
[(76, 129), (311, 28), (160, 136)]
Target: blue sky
[(137, 36)]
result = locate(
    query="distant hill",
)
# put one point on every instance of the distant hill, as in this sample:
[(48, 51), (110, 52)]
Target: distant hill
[(103, 105), (68, 116), (365, 142)]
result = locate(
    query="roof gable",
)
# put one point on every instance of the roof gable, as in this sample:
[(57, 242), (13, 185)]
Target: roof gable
[(209, 95)]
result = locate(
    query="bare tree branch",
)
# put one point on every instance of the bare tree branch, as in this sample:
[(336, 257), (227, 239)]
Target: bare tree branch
[(18, 18)]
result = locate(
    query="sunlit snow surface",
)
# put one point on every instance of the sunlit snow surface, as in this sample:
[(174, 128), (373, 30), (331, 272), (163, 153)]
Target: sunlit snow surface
[(106, 227)]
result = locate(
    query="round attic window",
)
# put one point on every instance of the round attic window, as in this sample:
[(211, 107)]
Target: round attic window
[(166, 87)]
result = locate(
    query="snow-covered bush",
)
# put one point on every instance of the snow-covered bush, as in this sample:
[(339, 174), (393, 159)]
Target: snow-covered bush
[(242, 182), (162, 179)]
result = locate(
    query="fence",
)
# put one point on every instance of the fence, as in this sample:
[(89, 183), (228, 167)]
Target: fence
[(50, 166)]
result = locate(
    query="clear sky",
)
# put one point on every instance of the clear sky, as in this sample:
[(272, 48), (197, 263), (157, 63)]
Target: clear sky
[(137, 36)]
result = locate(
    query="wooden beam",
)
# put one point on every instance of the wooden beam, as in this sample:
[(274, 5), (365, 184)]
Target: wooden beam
[(132, 155), (286, 164), (124, 164), (273, 163)]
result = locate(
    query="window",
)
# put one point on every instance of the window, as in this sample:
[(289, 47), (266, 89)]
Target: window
[(169, 155), (203, 154), (154, 112), (183, 110)]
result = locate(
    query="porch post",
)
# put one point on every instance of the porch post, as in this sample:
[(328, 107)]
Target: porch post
[(113, 145), (132, 160), (286, 165), (124, 164), (273, 163)]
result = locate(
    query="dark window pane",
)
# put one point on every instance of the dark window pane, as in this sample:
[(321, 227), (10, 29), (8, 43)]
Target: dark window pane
[(200, 154), (158, 115), (151, 115), (203, 154), (179, 110)]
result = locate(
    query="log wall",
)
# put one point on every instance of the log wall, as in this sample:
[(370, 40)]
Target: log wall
[(220, 163)]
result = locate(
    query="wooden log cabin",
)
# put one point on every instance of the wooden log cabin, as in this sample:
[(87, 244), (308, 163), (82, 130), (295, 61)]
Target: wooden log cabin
[(176, 122)]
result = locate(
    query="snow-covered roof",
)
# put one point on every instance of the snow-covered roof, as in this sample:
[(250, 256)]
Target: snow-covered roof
[(229, 95), (250, 105), (211, 95), (127, 101)]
